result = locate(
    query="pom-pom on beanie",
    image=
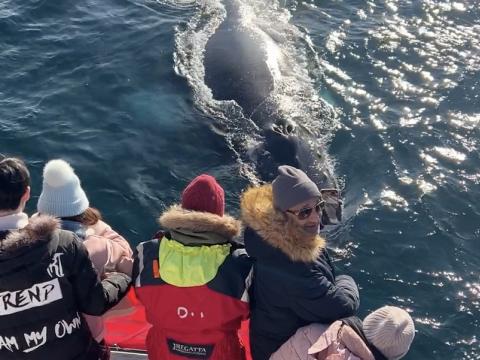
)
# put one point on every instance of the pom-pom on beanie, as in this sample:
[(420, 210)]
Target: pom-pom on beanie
[(62, 194)]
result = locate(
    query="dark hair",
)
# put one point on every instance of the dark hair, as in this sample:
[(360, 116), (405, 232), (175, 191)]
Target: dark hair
[(14, 181), (89, 217)]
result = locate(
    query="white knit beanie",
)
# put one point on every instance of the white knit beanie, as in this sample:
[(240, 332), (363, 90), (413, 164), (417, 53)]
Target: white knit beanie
[(62, 194), (391, 330)]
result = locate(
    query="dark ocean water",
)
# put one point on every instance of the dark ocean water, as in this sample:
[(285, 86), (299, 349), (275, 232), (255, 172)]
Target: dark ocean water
[(116, 88)]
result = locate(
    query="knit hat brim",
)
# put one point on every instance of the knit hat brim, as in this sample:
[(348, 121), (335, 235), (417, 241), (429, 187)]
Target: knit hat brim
[(292, 187)]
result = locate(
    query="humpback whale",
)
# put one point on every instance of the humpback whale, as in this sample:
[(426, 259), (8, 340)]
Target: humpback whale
[(236, 65), (241, 65)]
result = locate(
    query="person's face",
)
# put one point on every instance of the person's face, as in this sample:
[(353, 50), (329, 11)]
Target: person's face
[(307, 215)]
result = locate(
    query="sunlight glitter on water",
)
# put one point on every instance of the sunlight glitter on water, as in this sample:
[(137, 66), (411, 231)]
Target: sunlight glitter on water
[(425, 186), (450, 154), (431, 46), (465, 121), (474, 289), (393, 200), (440, 51), (433, 323)]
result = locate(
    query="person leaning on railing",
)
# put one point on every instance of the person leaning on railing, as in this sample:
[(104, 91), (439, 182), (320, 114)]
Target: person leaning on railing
[(193, 279), (294, 282), (46, 281), (62, 196)]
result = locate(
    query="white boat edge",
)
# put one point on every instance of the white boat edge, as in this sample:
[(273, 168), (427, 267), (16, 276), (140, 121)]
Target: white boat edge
[(127, 355)]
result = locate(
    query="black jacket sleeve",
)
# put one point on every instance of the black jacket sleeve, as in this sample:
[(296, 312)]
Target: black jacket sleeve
[(320, 300), (136, 266), (95, 297)]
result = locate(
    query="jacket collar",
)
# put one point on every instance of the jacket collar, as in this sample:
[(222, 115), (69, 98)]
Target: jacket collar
[(195, 227), (274, 228), (13, 221), (37, 230)]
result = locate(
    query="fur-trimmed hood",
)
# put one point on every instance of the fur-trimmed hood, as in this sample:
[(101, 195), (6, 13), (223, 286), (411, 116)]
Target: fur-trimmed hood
[(272, 226), (39, 229), (23, 252), (187, 221)]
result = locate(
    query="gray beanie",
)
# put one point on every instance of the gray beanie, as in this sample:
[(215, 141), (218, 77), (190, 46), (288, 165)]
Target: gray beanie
[(391, 330), (62, 194), (291, 187)]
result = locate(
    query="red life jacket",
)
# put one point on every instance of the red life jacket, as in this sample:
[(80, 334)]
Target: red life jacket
[(199, 322)]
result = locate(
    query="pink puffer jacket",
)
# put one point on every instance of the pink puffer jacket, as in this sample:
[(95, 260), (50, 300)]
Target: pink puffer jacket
[(323, 342), (109, 252)]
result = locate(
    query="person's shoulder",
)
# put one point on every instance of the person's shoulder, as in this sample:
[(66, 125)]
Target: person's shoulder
[(67, 242), (47, 229), (254, 242), (155, 242), (322, 259), (237, 263), (99, 227), (67, 235), (149, 248), (249, 232), (240, 257)]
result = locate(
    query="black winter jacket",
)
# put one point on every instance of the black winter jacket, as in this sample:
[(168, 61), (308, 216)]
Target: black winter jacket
[(294, 283), (46, 281)]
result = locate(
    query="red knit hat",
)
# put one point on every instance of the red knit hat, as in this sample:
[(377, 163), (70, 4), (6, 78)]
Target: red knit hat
[(204, 194)]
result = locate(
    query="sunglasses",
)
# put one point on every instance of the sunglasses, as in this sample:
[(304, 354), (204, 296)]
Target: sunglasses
[(305, 213), (330, 207)]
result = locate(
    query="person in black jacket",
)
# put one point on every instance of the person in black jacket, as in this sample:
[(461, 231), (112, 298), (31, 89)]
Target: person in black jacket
[(294, 282), (46, 281)]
